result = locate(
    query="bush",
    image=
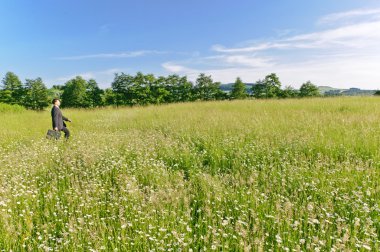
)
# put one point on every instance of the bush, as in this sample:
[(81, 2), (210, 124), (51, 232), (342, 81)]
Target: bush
[(10, 108)]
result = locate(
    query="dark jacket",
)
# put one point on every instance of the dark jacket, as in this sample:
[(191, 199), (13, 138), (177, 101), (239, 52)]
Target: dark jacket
[(57, 118)]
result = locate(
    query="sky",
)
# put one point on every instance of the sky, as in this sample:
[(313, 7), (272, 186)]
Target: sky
[(329, 42)]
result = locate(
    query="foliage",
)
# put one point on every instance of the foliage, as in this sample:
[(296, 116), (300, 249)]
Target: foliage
[(206, 89), (158, 92), (36, 96), (289, 92), (75, 93), (144, 89), (108, 97), (270, 175), (308, 89), (179, 88), (93, 94), (238, 90), (259, 90), (132, 90), (54, 93), (10, 108), (273, 86), (13, 89), (270, 87), (6, 96)]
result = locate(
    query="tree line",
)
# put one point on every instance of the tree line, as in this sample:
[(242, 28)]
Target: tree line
[(141, 89)]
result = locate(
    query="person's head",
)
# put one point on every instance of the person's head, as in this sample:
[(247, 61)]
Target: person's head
[(56, 102)]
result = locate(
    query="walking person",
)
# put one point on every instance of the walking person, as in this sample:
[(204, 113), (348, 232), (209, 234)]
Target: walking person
[(58, 119)]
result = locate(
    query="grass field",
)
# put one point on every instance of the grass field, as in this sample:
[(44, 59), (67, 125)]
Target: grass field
[(286, 175)]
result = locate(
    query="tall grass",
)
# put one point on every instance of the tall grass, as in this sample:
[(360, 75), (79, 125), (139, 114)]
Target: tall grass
[(285, 175), (10, 108)]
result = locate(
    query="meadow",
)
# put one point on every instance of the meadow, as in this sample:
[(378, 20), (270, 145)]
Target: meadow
[(254, 175)]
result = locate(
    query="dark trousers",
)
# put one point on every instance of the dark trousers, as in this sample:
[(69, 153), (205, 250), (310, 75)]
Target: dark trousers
[(67, 132)]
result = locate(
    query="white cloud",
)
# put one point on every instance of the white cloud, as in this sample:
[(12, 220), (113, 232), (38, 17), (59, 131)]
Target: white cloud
[(103, 78), (349, 15), (175, 68), (343, 54), (131, 54), (104, 29), (354, 36), (247, 60), (337, 72), (357, 35), (222, 49)]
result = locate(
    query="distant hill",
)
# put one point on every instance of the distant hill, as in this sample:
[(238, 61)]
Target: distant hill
[(324, 90), (228, 87), (330, 91)]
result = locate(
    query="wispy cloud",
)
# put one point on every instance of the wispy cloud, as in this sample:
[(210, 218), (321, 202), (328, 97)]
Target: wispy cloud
[(349, 16), (103, 77), (343, 52), (356, 36), (132, 54), (253, 48), (176, 68), (351, 36), (104, 29)]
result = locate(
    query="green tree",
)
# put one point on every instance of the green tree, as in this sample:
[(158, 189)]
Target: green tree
[(6, 96), (142, 88), (270, 87), (184, 89), (377, 92), (36, 97), (58, 87), (133, 90), (239, 90), (55, 92), (158, 91), (93, 94), (109, 97), (206, 89), (308, 89), (180, 89), (288, 92), (14, 90), (121, 86), (75, 93), (259, 90)]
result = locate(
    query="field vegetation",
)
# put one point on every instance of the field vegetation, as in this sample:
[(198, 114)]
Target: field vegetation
[(254, 175)]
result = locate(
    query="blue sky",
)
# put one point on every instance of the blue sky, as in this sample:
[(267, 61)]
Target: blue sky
[(330, 42)]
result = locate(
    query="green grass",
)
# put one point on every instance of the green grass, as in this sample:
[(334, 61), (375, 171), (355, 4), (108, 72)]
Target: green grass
[(4, 108), (228, 176)]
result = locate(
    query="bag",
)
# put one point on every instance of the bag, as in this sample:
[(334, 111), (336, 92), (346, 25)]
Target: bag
[(52, 134)]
